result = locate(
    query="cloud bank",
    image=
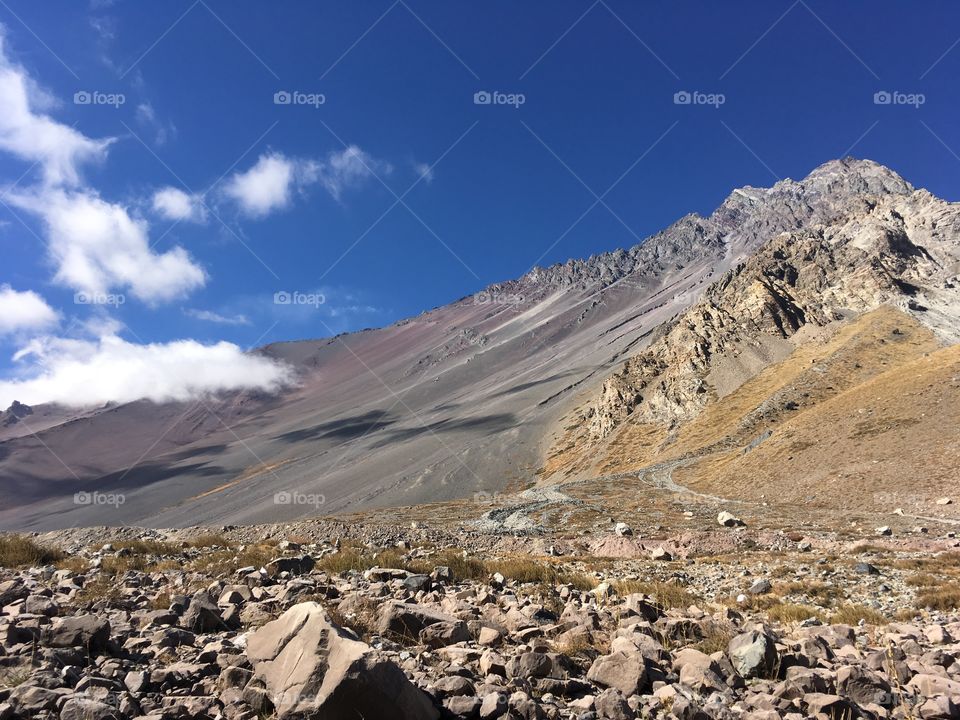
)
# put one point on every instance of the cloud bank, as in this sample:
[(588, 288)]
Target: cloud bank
[(99, 247), (84, 373)]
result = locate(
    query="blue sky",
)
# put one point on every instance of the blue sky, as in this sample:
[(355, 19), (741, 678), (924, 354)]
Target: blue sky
[(156, 173)]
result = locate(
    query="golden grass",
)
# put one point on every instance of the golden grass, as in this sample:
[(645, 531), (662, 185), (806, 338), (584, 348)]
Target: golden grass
[(947, 598), (207, 540), (666, 595), (362, 621), (227, 562), (518, 569), (101, 589), (73, 563), (716, 638), (148, 547), (853, 614), (821, 592), (581, 647), (12, 677), (530, 570), (120, 564), (792, 612), (18, 551)]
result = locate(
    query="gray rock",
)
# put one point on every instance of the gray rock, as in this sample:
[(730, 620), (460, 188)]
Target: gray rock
[(310, 667), (406, 620), (202, 615), (290, 565), (612, 705), (87, 631), (625, 672), (79, 708), (417, 583), (453, 685), (444, 633), (753, 654)]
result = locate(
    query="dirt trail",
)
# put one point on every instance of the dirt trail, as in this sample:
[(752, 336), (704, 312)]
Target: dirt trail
[(516, 517)]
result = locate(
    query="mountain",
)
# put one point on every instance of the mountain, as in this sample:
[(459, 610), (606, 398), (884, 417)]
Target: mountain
[(704, 347)]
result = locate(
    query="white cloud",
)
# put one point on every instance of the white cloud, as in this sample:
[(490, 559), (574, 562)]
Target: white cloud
[(174, 204), (147, 117), (82, 373), (265, 187), (57, 148), (24, 311), (270, 184), (97, 246), (210, 316), (424, 171), (349, 168)]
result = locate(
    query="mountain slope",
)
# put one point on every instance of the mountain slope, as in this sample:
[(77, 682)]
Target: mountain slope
[(564, 363), (898, 248)]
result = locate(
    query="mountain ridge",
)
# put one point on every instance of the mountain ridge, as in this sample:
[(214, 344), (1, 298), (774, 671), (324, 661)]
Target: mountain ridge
[(463, 398)]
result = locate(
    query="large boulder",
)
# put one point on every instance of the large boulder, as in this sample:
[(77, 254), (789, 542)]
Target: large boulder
[(202, 615), (407, 621), (753, 654), (11, 591), (81, 708), (626, 672), (290, 565), (87, 631), (445, 633), (699, 671), (309, 667)]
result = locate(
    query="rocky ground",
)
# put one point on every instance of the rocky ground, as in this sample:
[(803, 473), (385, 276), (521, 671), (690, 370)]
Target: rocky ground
[(326, 619)]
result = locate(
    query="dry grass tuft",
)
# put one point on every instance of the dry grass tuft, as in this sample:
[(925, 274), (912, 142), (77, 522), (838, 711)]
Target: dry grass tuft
[(853, 614), (716, 638), (580, 647), (14, 676), (148, 547), (361, 621), (666, 595), (821, 592), (792, 612), (101, 589), (227, 562), (943, 598), (18, 551), (207, 540)]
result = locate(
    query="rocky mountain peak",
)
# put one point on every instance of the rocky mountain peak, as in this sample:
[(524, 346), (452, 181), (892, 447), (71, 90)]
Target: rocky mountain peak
[(13, 414), (746, 219), (850, 237)]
